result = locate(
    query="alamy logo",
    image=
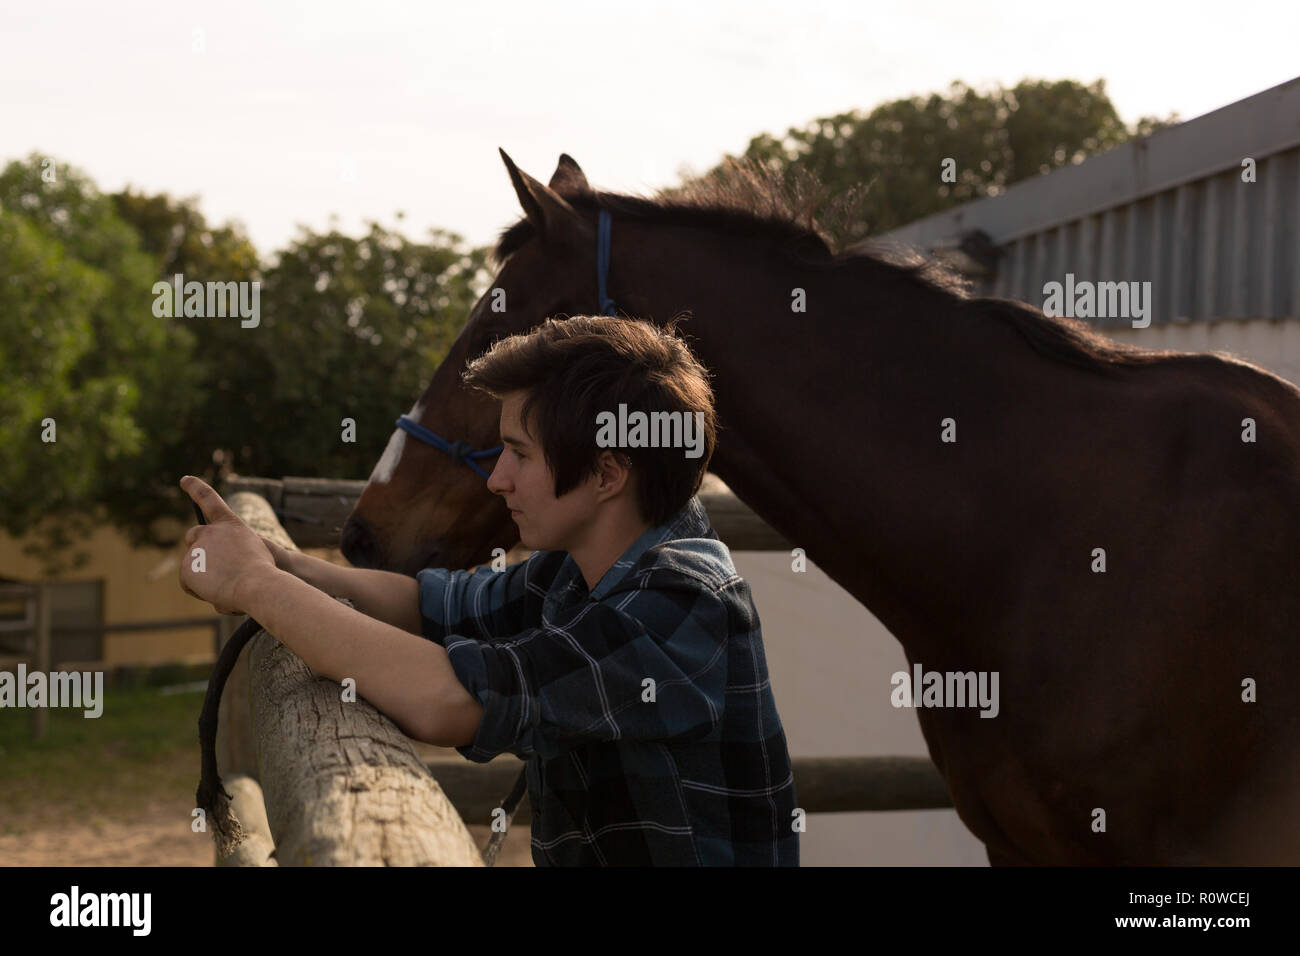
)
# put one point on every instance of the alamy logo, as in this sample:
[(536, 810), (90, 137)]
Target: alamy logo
[(210, 300), (102, 909), (652, 430), (946, 689), (1102, 300), (57, 689)]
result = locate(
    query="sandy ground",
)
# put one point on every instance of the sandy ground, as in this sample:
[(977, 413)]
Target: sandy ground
[(153, 838)]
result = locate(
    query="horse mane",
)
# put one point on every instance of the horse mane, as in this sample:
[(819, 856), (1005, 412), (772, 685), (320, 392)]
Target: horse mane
[(750, 199)]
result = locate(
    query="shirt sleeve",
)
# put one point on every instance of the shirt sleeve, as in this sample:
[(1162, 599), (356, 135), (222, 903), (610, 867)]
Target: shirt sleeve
[(486, 603), (641, 664)]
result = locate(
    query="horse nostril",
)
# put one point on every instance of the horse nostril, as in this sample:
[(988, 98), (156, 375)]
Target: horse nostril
[(358, 543)]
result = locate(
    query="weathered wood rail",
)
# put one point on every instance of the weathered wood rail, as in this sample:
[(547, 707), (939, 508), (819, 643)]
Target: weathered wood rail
[(312, 511), (823, 785)]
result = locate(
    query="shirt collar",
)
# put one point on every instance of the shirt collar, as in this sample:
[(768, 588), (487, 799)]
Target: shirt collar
[(692, 521)]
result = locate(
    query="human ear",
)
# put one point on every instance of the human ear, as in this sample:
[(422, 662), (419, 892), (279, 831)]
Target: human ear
[(613, 469)]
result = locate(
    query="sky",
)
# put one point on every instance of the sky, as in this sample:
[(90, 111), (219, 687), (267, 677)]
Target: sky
[(277, 114)]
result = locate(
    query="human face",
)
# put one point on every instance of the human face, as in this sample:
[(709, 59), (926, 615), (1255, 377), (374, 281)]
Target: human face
[(522, 478)]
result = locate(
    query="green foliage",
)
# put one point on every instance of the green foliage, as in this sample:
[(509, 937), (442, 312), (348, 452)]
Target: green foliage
[(175, 233), (881, 169), (139, 750), (349, 328), (80, 347)]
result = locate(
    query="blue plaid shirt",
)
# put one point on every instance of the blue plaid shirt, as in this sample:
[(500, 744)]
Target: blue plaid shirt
[(643, 708)]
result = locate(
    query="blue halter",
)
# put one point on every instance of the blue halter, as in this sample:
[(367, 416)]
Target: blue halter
[(464, 452), (459, 450), (602, 263)]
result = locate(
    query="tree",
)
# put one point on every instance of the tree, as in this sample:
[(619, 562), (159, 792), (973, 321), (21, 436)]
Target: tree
[(881, 170), (349, 328), (232, 371), (83, 354)]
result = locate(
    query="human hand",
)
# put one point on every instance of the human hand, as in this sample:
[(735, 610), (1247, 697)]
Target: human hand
[(233, 554)]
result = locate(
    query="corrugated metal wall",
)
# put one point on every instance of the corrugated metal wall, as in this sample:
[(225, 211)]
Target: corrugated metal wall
[(1213, 248)]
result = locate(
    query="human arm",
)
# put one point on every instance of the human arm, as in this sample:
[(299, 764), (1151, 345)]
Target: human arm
[(406, 677), (484, 601), (383, 595)]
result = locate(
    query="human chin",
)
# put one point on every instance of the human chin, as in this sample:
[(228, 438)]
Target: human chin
[(524, 536), (534, 538), (529, 536)]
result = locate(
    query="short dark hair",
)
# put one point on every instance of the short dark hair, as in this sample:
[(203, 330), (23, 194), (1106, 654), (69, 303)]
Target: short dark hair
[(574, 369)]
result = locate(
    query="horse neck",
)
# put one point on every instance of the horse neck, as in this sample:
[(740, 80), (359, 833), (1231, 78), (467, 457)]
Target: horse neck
[(821, 411)]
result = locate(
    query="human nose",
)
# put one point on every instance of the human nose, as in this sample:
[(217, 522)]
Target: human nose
[(497, 483)]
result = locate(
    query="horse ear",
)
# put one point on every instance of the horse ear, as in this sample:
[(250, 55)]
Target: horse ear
[(555, 220), (569, 179)]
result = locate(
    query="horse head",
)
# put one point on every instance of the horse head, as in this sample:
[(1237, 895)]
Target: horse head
[(426, 505)]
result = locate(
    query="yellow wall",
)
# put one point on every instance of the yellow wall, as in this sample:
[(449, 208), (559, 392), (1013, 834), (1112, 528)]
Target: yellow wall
[(129, 595)]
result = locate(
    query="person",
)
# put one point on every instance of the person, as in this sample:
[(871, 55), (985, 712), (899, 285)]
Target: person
[(623, 659)]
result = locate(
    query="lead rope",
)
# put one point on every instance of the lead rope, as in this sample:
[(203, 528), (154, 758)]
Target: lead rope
[(510, 806)]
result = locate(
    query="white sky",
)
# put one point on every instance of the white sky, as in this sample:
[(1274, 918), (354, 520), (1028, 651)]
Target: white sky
[(294, 111)]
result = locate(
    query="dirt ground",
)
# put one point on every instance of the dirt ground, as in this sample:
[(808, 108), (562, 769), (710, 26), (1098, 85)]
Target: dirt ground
[(153, 838)]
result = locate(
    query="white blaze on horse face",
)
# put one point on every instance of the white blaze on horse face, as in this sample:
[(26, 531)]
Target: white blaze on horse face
[(387, 464)]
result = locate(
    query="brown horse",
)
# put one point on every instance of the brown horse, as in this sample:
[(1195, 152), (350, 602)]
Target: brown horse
[(1009, 493)]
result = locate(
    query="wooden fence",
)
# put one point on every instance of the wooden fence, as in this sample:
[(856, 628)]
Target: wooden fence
[(312, 511), (37, 633)]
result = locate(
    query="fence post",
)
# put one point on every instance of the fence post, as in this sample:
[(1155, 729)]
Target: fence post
[(341, 784)]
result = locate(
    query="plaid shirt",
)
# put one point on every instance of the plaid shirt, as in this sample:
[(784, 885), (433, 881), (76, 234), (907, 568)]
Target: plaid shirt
[(643, 708)]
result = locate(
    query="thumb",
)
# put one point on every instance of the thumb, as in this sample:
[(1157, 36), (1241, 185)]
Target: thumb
[(209, 502)]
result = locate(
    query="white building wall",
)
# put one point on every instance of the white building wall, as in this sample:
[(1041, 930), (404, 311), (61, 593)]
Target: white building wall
[(830, 660), (1271, 343)]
